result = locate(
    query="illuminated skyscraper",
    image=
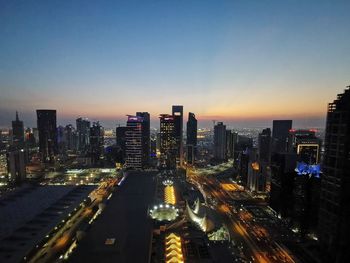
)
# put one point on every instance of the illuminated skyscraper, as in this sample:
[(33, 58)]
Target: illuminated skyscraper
[(305, 144), (134, 142), (17, 132), (191, 138), (177, 111), (220, 142), (280, 132), (47, 134), (168, 146), (334, 216)]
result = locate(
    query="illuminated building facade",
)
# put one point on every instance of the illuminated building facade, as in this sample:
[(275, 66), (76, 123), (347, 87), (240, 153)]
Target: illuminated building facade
[(46, 123), (220, 141), (191, 138), (168, 147), (334, 213), (305, 144), (177, 111), (134, 143)]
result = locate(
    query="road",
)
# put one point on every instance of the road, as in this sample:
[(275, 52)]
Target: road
[(253, 239)]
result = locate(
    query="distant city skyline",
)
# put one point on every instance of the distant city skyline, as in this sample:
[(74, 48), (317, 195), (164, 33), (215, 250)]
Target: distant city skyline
[(239, 62)]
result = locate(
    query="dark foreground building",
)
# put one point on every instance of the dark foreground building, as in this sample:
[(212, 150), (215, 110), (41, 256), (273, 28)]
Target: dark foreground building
[(123, 232), (334, 216)]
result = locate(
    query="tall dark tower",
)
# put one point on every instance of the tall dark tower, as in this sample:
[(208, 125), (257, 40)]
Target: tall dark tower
[(220, 141), (264, 143), (47, 129), (191, 138), (177, 112), (146, 134), (17, 132), (96, 143), (334, 215), (83, 132), (280, 132)]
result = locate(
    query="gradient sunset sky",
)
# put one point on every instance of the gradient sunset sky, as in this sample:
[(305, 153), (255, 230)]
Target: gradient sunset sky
[(242, 62)]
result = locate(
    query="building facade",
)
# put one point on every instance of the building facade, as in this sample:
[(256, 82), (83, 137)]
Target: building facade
[(47, 128), (191, 138), (220, 141), (334, 213), (168, 142)]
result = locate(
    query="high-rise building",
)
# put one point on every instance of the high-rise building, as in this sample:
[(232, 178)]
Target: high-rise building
[(96, 143), (257, 177), (282, 183), (177, 111), (264, 143), (191, 138), (168, 146), (29, 138), (231, 141), (83, 134), (121, 141), (146, 137), (46, 120), (280, 132), (334, 215), (70, 137), (305, 144), (16, 166), (220, 141), (17, 132), (134, 142)]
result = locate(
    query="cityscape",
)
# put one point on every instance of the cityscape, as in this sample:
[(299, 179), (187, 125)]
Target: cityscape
[(121, 140)]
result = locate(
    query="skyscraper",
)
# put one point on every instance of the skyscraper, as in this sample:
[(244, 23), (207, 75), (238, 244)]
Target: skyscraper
[(231, 141), (96, 143), (334, 215), (17, 132), (47, 129), (168, 146), (83, 133), (191, 138), (280, 131), (264, 143), (146, 137), (134, 142), (70, 137), (121, 141), (16, 166), (177, 111), (305, 144), (220, 142)]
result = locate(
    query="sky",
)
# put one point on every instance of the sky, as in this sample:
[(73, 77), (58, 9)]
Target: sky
[(241, 62)]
